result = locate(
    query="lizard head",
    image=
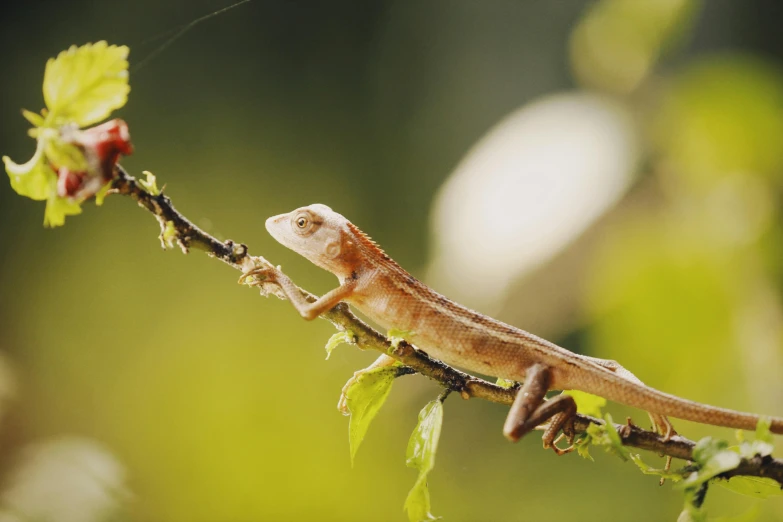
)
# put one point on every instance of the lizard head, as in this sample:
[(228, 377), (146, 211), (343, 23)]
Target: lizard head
[(319, 234)]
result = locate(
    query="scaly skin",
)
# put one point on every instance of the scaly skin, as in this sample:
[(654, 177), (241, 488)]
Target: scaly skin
[(378, 287)]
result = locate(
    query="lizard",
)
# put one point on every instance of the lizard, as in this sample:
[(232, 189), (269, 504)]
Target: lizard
[(373, 283)]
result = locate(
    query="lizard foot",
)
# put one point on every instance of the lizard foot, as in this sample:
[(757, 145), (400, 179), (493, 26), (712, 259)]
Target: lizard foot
[(665, 428), (562, 421), (561, 451), (260, 274), (264, 277), (662, 426)]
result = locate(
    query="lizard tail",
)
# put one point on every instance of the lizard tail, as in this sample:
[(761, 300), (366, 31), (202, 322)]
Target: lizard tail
[(655, 401)]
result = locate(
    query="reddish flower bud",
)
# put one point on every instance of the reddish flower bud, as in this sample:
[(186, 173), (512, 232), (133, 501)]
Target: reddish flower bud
[(101, 146), (68, 182)]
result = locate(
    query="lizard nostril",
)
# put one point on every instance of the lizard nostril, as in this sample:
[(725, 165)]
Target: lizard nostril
[(270, 223), (274, 221)]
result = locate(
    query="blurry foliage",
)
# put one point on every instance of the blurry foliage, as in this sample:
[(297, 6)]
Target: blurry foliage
[(618, 42), (723, 116)]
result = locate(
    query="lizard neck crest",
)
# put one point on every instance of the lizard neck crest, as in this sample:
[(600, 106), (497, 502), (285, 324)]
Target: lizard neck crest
[(367, 243)]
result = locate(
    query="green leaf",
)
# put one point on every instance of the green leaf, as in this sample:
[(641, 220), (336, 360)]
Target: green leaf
[(150, 184), (707, 448), (33, 178), (761, 446), (503, 383), (615, 442), (750, 515), (649, 470), (344, 337), (605, 436), (587, 403), (691, 512), (582, 445), (364, 399), (84, 84), (33, 117), (168, 237), (36, 180), (758, 487), (420, 455), (57, 208), (102, 193), (713, 458), (64, 154), (763, 432), (749, 450), (417, 503)]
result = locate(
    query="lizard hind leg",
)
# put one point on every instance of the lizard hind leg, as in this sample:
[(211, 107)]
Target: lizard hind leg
[(660, 423), (563, 420), (530, 409)]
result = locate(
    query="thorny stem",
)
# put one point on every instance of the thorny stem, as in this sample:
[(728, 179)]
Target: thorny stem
[(189, 236)]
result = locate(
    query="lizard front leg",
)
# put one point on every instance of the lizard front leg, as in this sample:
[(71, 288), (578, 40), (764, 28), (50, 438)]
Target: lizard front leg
[(308, 310), (531, 409)]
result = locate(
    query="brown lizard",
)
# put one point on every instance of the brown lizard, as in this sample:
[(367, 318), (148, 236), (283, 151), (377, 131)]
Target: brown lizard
[(382, 290)]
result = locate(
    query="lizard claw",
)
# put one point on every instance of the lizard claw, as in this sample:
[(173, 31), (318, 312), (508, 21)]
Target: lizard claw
[(265, 278), (260, 275), (663, 426)]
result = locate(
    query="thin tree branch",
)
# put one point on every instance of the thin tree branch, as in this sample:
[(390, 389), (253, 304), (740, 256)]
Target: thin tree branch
[(189, 236)]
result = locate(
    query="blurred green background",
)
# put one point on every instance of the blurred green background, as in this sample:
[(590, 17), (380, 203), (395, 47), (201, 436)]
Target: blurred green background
[(642, 156)]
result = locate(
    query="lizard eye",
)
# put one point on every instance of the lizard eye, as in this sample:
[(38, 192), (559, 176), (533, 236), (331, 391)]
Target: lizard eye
[(303, 224)]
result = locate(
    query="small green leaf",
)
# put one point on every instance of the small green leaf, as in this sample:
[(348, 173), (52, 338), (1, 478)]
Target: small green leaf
[(102, 193), (57, 208), (150, 184), (417, 503), (713, 458), (605, 436), (649, 470), (420, 455), (364, 399), (33, 178), (763, 432), (749, 450), (587, 403), (168, 237), (761, 446), (33, 117), (597, 434), (758, 487), (582, 445), (343, 337), (503, 383), (707, 448), (84, 84), (36, 180), (65, 155), (691, 511), (615, 442)]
